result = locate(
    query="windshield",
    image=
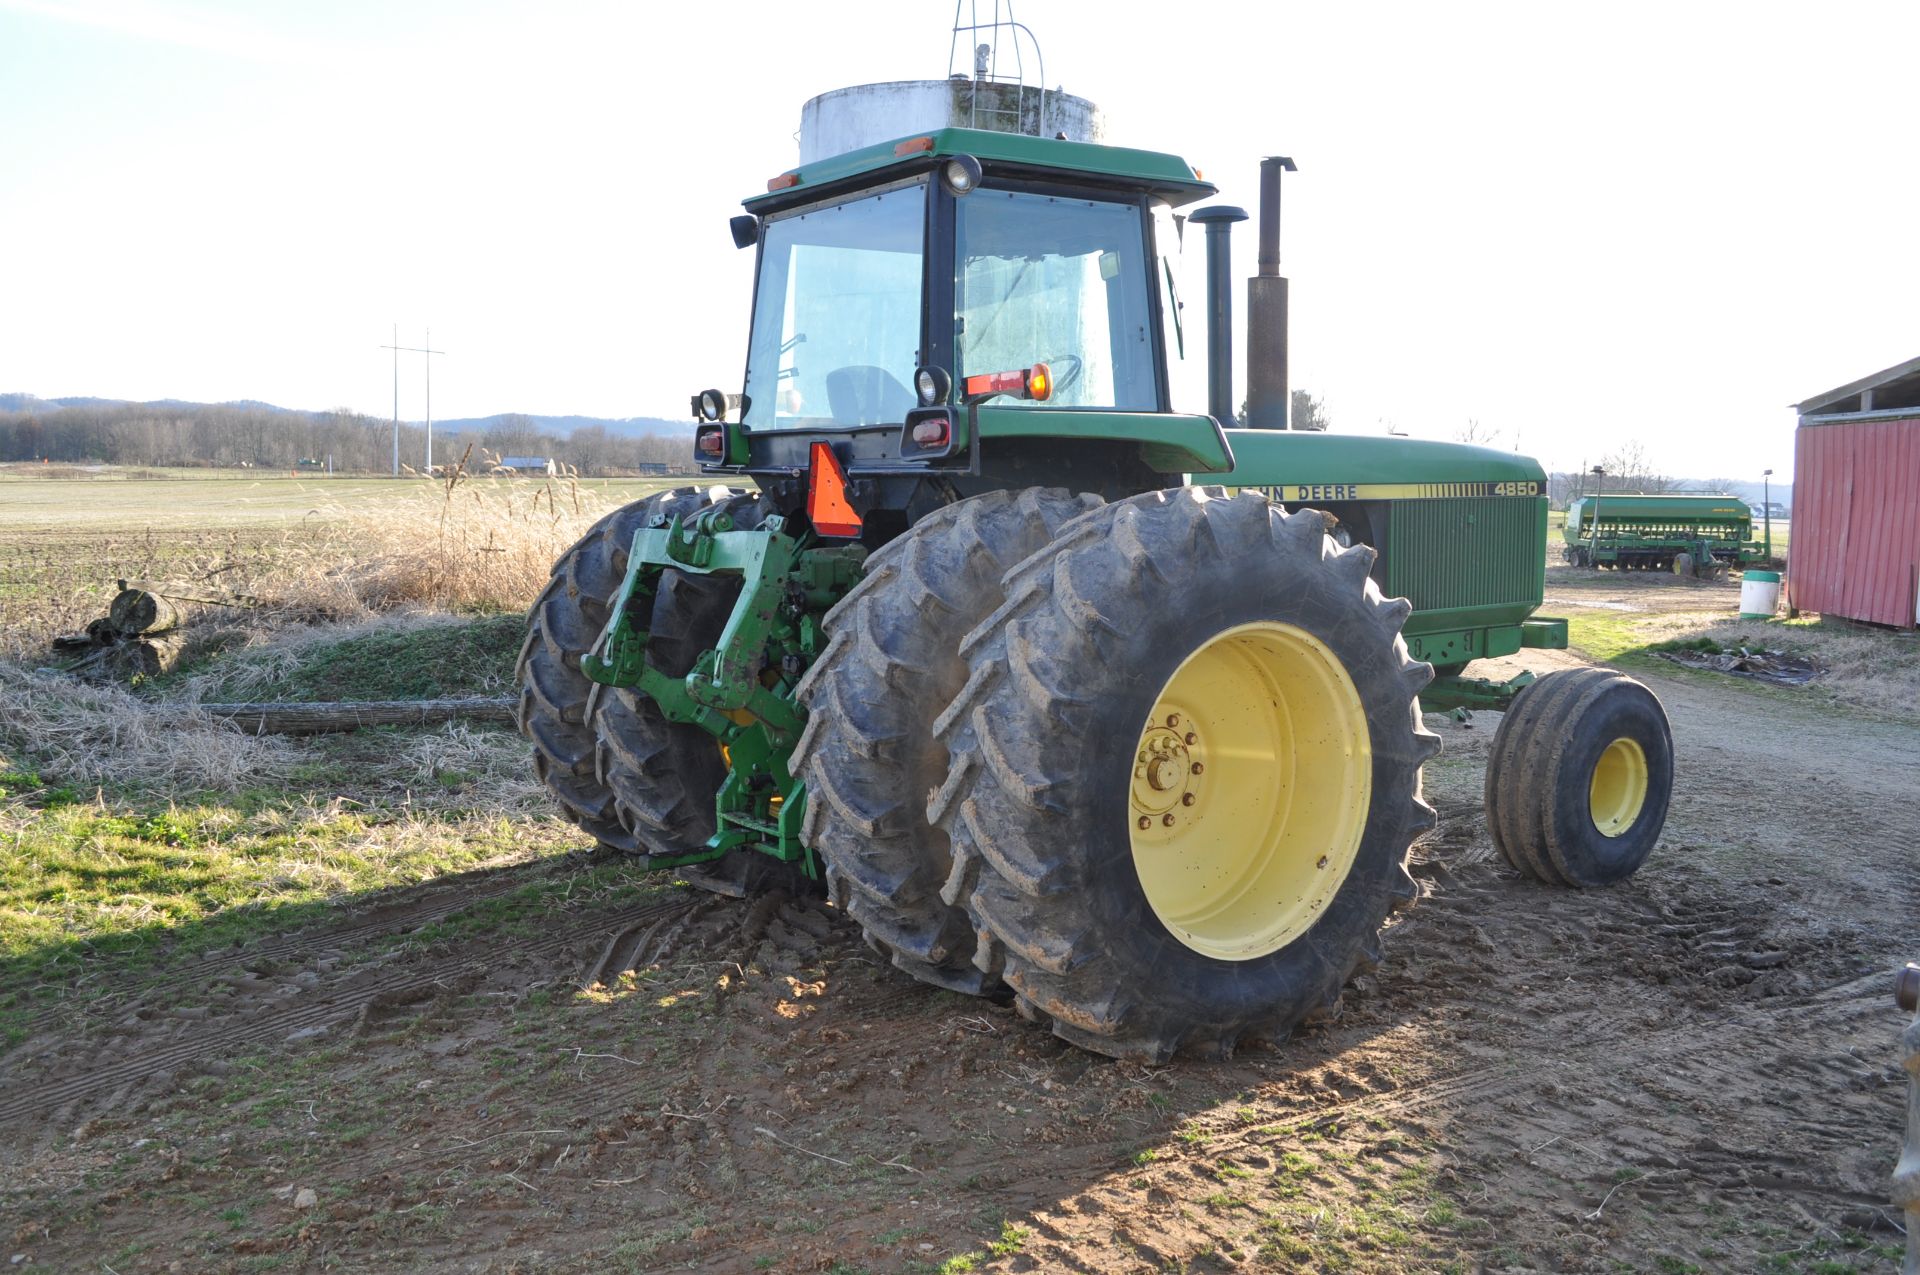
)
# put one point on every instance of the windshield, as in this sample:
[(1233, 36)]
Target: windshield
[(836, 320), (1047, 279)]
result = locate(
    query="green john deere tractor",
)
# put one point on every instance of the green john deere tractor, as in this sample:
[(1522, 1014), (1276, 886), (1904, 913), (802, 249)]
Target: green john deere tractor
[(1059, 692)]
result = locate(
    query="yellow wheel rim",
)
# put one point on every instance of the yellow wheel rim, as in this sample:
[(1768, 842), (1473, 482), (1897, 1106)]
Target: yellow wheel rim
[(1250, 788), (1619, 787)]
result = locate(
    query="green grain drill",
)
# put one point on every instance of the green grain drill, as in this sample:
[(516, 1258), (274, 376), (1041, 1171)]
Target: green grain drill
[(1702, 535), (1061, 686)]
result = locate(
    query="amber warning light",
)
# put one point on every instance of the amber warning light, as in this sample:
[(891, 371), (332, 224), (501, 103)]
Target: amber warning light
[(1034, 382)]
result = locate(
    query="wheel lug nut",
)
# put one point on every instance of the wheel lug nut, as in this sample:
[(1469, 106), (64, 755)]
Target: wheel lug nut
[(1167, 820), (1192, 738), (1146, 821), (1186, 799), (1173, 719), (1198, 767)]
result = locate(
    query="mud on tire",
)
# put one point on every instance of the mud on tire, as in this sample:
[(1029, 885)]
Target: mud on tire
[(869, 757), (1043, 738)]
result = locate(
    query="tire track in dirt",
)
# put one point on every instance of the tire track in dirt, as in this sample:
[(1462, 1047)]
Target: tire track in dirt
[(274, 1026), (1699, 1047), (388, 916), (705, 930)]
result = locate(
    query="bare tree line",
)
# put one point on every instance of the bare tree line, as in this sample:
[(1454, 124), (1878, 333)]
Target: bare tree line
[(226, 436)]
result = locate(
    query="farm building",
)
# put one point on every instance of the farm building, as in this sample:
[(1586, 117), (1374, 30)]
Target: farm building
[(1856, 515), (528, 464)]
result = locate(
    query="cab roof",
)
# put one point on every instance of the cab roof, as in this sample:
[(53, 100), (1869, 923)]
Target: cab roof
[(1167, 177)]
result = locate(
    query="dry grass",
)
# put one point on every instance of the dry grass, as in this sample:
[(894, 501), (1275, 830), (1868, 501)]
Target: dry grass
[(457, 545), (1874, 669), (464, 543), (492, 762), (93, 735), (256, 660)]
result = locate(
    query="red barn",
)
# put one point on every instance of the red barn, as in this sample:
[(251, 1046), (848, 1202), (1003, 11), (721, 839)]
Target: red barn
[(1855, 550)]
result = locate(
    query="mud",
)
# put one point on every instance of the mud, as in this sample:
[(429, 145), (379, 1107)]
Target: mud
[(1697, 1070)]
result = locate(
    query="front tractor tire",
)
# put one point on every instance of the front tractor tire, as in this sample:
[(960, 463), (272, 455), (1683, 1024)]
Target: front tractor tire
[(1579, 778), (869, 756), (1184, 775)]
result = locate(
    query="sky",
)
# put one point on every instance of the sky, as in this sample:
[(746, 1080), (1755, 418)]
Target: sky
[(1579, 225)]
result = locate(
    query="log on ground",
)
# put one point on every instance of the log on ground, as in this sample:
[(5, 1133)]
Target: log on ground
[(323, 718)]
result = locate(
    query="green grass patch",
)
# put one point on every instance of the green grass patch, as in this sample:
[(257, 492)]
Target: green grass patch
[(432, 661), (111, 886)]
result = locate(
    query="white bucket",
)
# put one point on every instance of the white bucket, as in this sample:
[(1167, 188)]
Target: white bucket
[(1759, 595)]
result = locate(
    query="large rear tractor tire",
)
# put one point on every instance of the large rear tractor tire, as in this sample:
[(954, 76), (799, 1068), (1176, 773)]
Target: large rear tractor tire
[(556, 705), (869, 757), (1184, 775), (1579, 778), (665, 776)]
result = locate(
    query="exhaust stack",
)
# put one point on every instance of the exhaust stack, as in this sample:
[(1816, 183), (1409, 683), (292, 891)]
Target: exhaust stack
[(1219, 221), (1268, 404)]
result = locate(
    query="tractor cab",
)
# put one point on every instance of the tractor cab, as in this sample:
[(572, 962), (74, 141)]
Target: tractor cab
[(918, 301)]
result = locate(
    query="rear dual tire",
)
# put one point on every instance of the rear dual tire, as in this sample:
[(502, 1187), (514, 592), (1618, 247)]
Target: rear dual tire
[(638, 783), (1183, 937), (556, 703), (869, 756)]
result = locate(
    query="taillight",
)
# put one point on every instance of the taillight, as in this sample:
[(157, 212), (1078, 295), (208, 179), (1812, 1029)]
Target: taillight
[(931, 433), (1034, 382), (711, 443)]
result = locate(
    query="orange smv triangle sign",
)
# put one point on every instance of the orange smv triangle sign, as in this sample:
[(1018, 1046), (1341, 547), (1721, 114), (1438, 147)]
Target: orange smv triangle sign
[(827, 506)]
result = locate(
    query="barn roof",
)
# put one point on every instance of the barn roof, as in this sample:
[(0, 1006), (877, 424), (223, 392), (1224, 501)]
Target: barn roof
[(1886, 390)]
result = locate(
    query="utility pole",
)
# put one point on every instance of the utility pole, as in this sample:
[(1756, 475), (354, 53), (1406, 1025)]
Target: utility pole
[(1599, 471), (396, 347), (429, 352), (1766, 509)]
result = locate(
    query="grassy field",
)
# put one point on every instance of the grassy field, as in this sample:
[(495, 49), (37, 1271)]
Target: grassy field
[(64, 511), (337, 589), (293, 544)]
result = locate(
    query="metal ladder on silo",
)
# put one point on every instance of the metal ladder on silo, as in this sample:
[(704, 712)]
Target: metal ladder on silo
[(986, 66)]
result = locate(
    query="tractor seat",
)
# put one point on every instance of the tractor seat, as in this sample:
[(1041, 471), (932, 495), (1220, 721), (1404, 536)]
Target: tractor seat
[(866, 395)]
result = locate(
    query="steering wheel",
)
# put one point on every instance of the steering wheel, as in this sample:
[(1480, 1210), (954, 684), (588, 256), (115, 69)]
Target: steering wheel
[(1074, 365)]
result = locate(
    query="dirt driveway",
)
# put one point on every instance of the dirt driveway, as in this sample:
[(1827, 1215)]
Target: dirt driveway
[(1696, 1071)]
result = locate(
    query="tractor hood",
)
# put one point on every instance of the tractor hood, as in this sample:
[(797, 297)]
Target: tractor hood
[(1317, 468)]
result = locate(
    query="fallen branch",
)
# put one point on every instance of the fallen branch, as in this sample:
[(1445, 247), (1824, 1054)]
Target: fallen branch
[(802, 1150), (326, 718), (885, 1164)]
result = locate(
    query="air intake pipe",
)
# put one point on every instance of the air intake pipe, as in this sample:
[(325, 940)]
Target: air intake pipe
[(1219, 221), (1268, 403)]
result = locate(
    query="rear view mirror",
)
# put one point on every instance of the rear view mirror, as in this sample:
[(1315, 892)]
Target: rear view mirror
[(746, 230)]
